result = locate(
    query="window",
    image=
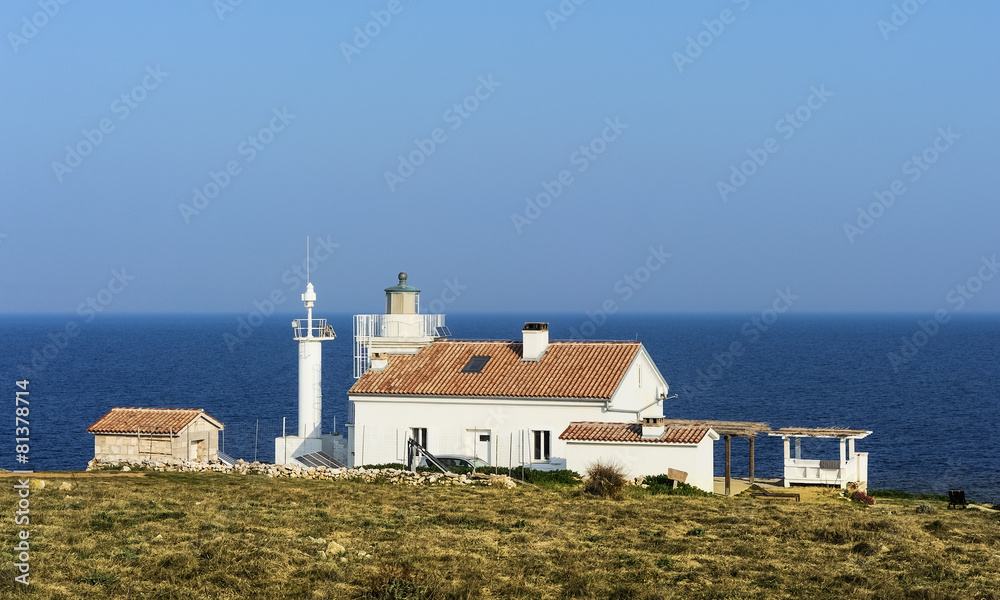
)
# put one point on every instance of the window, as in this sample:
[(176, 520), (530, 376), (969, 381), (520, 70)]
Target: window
[(541, 451), (475, 364), (419, 435)]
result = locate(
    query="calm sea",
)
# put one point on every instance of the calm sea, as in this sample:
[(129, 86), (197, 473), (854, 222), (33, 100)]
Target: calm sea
[(935, 417)]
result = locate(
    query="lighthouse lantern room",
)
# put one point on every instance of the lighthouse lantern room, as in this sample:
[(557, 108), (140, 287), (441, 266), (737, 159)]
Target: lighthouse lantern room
[(401, 330)]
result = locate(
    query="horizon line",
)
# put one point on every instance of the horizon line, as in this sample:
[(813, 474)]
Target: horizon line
[(875, 313)]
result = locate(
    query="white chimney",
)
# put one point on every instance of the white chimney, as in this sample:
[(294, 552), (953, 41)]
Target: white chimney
[(536, 341), (379, 361), (652, 428)]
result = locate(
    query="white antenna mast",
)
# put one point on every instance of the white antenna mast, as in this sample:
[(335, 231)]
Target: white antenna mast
[(307, 259)]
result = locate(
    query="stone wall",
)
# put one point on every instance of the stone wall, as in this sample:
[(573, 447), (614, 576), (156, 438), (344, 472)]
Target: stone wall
[(125, 448), (394, 476)]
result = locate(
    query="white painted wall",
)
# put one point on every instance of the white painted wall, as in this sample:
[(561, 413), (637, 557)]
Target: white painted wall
[(382, 424), (641, 459), (310, 388), (638, 389)]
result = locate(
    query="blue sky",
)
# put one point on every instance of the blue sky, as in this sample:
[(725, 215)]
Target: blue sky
[(633, 115)]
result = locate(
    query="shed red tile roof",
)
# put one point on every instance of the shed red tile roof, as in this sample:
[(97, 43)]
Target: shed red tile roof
[(591, 431), (581, 370), (147, 420)]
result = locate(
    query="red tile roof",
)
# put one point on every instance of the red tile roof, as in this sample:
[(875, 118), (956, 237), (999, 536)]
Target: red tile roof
[(584, 370), (590, 431), (147, 420)]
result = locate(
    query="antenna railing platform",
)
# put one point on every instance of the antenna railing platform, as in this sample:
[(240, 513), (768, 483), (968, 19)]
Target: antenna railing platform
[(319, 329)]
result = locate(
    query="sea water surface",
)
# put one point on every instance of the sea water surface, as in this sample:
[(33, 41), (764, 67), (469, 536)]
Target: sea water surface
[(935, 418)]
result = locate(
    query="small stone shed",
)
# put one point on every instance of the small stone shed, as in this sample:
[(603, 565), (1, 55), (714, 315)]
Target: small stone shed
[(128, 434)]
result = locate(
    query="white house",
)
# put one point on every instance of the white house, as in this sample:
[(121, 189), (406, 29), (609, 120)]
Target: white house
[(534, 402)]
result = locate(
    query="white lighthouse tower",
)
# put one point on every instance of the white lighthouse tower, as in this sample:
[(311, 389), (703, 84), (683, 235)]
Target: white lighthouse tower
[(310, 334)]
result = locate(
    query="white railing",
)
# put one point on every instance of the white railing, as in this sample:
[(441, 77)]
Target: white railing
[(367, 327), (827, 472), (860, 468), (319, 329)]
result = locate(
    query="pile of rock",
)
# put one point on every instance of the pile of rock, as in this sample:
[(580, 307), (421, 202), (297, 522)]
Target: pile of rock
[(391, 476)]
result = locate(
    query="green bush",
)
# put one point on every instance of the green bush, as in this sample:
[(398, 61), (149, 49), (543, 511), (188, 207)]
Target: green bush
[(901, 495), (397, 466), (561, 476), (661, 484), (536, 476), (605, 479)]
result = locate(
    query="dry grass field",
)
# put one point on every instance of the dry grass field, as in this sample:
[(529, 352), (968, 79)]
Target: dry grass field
[(179, 535)]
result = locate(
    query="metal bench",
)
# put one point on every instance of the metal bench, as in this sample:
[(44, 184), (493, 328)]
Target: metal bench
[(956, 498)]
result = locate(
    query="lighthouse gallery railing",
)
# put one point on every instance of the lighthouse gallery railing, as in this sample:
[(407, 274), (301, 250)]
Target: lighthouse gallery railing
[(367, 327)]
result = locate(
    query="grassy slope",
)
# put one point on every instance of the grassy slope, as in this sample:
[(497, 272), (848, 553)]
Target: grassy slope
[(248, 537)]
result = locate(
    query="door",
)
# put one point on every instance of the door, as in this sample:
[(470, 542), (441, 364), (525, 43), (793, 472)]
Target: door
[(480, 444), (199, 451)]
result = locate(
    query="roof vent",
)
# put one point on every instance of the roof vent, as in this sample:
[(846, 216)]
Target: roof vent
[(535, 341)]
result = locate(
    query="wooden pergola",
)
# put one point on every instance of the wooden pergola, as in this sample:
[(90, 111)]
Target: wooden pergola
[(729, 430)]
